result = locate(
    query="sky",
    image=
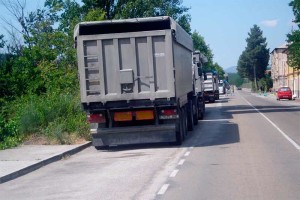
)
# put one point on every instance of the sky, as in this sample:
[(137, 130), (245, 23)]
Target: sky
[(225, 24)]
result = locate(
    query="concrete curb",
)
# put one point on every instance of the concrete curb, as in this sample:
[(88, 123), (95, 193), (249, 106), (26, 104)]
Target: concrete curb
[(42, 163)]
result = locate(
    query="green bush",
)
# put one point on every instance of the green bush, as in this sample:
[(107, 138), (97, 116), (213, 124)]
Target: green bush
[(9, 135), (56, 116)]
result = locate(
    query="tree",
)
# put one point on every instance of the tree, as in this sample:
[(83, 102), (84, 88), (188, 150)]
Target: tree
[(235, 79), (17, 10), (200, 44), (254, 59), (219, 70), (122, 9), (67, 12), (2, 42), (265, 83), (294, 38)]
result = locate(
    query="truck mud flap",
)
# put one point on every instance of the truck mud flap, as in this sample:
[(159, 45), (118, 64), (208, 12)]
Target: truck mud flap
[(134, 135)]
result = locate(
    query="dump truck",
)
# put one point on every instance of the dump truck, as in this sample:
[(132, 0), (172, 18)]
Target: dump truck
[(211, 87), (222, 88), (199, 60), (136, 80)]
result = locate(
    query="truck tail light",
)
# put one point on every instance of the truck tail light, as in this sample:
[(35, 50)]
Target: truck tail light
[(144, 115), (96, 118), (168, 114), (123, 116)]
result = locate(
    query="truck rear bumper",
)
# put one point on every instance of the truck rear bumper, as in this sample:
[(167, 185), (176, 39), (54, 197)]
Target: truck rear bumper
[(134, 135)]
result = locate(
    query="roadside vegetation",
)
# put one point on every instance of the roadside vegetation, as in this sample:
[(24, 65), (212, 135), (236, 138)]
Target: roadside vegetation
[(254, 60), (39, 87)]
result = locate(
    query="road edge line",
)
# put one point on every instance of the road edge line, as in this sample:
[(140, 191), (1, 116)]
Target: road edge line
[(273, 124)]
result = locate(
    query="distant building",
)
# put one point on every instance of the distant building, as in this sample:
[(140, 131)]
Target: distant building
[(281, 73)]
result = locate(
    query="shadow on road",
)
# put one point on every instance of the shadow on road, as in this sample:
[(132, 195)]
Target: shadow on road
[(245, 109), (215, 129)]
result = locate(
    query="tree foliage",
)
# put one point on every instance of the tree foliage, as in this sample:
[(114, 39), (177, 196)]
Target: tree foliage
[(123, 9), (254, 59), (200, 44), (235, 79), (294, 38), (219, 70), (2, 42)]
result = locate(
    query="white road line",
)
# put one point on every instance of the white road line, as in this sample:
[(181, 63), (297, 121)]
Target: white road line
[(214, 120), (187, 154), (219, 104), (174, 173), (181, 162), (282, 133), (163, 189)]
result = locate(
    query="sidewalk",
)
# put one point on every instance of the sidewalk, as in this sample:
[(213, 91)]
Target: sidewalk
[(24, 159)]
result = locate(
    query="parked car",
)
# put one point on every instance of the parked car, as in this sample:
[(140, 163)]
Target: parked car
[(284, 93)]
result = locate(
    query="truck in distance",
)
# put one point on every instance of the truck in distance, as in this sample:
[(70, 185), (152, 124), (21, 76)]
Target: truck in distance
[(199, 60), (211, 87)]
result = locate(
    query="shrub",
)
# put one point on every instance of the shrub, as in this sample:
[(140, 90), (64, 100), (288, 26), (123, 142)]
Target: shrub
[(9, 135), (56, 116)]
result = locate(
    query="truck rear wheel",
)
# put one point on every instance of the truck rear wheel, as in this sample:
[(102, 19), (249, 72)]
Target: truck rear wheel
[(179, 128), (201, 110), (195, 111), (185, 122), (101, 147), (190, 115)]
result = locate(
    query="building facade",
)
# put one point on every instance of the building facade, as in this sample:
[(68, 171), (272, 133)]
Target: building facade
[(281, 73)]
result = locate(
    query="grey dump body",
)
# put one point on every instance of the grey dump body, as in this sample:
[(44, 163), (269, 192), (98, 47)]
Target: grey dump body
[(211, 87), (133, 63)]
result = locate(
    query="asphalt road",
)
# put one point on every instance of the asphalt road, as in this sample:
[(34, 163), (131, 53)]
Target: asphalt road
[(246, 148)]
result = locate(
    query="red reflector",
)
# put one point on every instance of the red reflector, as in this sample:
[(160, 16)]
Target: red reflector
[(169, 112), (122, 116), (96, 118)]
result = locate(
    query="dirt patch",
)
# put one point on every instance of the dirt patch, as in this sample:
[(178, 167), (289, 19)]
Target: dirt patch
[(43, 140), (36, 140)]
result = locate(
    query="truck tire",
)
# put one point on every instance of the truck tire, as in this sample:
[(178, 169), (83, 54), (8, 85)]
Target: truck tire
[(201, 110), (195, 111), (179, 128), (185, 122), (101, 147), (190, 116)]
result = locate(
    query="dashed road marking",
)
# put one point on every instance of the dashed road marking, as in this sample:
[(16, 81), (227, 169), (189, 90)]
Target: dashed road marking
[(174, 173), (187, 153), (163, 189), (181, 162), (214, 120)]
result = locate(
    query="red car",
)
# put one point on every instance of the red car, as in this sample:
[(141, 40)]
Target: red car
[(284, 93)]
